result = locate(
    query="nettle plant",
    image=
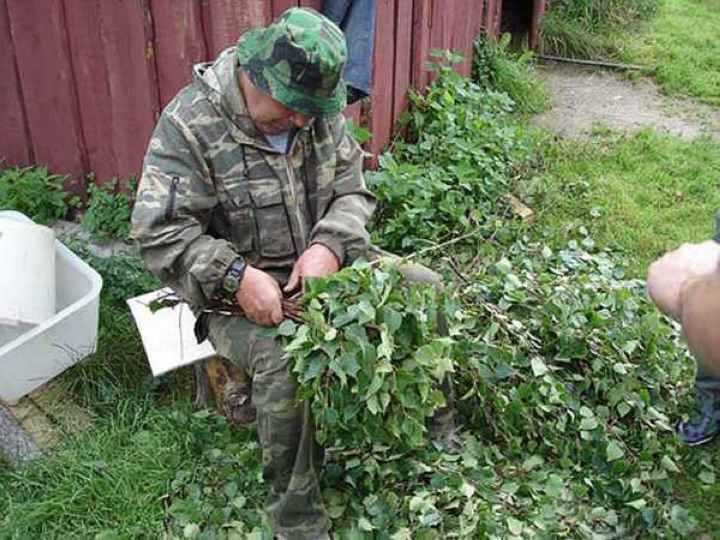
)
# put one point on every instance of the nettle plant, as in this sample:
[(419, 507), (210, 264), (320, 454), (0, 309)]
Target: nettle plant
[(36, 193), (372, 355), (109, 211)]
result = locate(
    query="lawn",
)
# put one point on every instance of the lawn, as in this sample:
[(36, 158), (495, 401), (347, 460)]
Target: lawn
[(682, 50), (641, 194)]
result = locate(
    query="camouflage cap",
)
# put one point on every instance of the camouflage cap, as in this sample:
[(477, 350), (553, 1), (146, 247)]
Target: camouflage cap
[(298, 60)]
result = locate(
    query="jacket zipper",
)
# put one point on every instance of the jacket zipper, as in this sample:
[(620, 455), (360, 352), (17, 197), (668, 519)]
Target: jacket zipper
[(170, 208), (294, 201)]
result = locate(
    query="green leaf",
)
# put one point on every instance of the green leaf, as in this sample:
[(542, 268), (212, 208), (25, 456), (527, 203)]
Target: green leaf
[(669, 465), (365, 525), (613, 451), (637, 504), (707, 477), (515, 526), (287, 328), (330, 335), (532, 462), (538, 366)]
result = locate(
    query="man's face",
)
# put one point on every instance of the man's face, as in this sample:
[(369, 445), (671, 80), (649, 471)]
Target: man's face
[(270, 116)]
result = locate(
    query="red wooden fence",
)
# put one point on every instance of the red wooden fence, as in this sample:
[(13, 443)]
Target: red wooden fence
[(83, 81)]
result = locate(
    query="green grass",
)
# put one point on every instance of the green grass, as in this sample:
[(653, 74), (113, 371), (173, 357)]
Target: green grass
[(109, 478), (132, 475), (593, 29), (496, 67), (642, 194), (675, 40), (682, 49)]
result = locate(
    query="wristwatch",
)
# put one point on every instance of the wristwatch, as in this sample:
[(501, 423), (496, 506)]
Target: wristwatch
[(234, 275)]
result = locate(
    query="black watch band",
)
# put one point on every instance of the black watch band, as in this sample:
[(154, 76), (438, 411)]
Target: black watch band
[(234, 275)]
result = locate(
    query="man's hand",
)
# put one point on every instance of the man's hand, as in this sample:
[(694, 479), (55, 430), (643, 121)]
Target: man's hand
[(259, 297), (673, 271), (317, 261)]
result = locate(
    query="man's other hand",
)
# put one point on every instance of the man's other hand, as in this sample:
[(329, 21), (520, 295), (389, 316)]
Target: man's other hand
[(668, 275), (259, 297), (317, 261)]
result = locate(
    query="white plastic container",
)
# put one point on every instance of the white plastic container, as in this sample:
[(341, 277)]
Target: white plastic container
[(32, 355), (27, 273)]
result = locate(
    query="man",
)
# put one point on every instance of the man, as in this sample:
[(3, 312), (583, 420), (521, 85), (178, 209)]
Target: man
[(685, 284), (251, 184)]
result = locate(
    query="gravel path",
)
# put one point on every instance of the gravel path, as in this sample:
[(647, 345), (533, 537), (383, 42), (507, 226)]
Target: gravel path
[(584, 97)]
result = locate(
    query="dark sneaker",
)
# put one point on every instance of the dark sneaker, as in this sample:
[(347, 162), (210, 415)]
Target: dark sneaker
[(706, 426)]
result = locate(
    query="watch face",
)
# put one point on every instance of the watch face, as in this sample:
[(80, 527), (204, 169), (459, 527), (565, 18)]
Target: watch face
[(230, 284)]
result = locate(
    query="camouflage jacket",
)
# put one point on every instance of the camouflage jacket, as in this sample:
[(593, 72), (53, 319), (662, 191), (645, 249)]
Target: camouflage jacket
[(212, 188)]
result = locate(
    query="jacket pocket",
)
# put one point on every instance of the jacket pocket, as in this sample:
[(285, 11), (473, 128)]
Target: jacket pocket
[(273, 226), (237, 222)]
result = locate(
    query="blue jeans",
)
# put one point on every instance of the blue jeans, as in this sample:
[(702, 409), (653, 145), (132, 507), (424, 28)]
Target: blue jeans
[(357, 19)]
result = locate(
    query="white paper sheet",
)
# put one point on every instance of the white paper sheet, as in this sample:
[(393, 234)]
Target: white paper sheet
[(167, 334)]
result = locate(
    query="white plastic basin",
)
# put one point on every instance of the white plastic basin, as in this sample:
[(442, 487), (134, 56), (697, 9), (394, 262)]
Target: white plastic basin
[(32, 355)]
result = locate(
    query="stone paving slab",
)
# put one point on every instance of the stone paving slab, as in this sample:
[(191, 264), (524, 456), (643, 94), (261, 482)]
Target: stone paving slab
[(38, 422), (15, 443)]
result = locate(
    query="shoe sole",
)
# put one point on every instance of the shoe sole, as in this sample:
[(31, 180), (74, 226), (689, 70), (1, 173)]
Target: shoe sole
[(701, 441)]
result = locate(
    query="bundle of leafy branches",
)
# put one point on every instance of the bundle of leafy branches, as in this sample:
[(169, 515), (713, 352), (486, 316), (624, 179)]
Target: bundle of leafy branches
[(448, 178), (566, 380), (372, 355), (592, 29)]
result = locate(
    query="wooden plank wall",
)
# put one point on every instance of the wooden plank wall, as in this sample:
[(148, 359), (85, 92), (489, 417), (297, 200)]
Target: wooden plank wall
[(82, 81)]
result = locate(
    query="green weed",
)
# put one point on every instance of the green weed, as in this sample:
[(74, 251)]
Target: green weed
[(36, 193), (118, 368), (497, 68), (360, 134), (450, 176), (108, 212), (140, 473)]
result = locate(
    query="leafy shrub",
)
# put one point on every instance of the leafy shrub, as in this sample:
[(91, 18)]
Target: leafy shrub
[(108, 213), (496, 67), (34, 192), (450, 176)]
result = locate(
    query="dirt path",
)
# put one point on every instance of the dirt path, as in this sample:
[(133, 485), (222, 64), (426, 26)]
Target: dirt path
[(583, 97)]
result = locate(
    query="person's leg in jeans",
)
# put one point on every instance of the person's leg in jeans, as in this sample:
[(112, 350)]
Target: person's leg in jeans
[(700, 318)]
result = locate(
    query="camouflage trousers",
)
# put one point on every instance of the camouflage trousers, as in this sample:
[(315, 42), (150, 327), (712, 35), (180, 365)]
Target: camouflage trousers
[(291, 457)]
